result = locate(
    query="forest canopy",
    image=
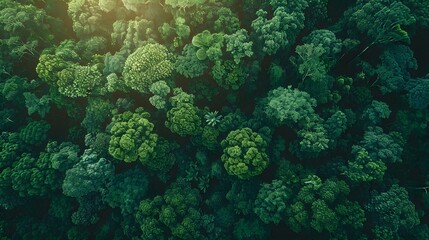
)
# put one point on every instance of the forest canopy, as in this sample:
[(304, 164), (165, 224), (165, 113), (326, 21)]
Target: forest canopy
[(214, 119)]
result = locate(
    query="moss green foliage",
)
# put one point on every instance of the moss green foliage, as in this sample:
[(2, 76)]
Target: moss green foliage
[(289, 106), (228, 74), (244, 153), (382, 21), (362, 168), (214, 119), (147, 65), (132, 136), (177, 210), (125, 190), (37, 105), (77, 81), (183, 118), (35, 132), (209, 45), (392, 212), (376, 112), (184, 3), (270, 205), (239, 44), (279, 31), (188, 64), (417, 93), (382, 146), (88, 175)]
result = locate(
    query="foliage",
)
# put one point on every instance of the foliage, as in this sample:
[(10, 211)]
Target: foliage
[(97, 111), (376, 112), (78, 81), (35, 132), (382, 21), (147, 65), (244, 153), (391, 212), (239, 45), (362, 168), (132, 136), (37, 105), (214, 119), (126, 190), (176, 210), (396, 61), (183, 118), (228, 74), (89, 175), (288, 106), (279, 31), (188, 64), (418, 93), (209, 45), (270, 205), (381, 146)]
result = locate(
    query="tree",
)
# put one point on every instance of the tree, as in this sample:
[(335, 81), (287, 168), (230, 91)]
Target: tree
[(227, 21), (35, 132), (53, 60), (126, 190), (164, 158), (376, 112), (97, 112), (184, 3), (312, 138), (362, 168), (239, 45), (327, 40), (78, 81), (183, 118), (132, 136), (382, 21), (420, 11), (270, 205), (86, 16), (37, 105), (177, 210), (418, 96), (89, 175), (392, 212), (279, 31), (25, 30), (393, 73), (188, 63), (288, 106), (147, 65), (228, 74), (244, 153), (381, 146), (247, 228), (310, 63), (320, 205), (209, 45)]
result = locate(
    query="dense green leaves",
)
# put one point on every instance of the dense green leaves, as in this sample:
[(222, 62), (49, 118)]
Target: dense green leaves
[(214, 119), (132, 136), (244, 153), (147, 65), (287, 105)]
